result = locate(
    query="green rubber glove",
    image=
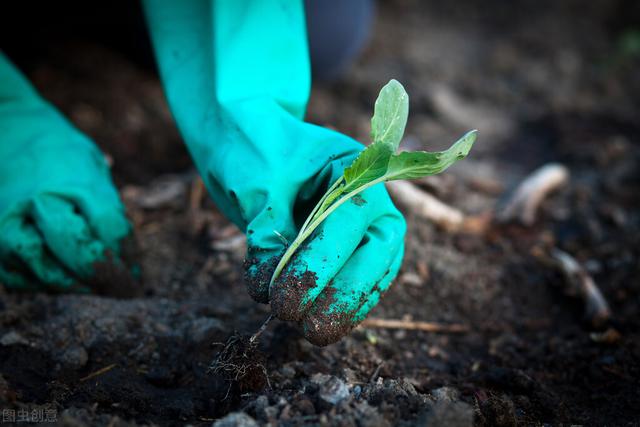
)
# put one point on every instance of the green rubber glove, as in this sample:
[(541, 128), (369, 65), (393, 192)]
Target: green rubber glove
[(61, 219), (236, 75)]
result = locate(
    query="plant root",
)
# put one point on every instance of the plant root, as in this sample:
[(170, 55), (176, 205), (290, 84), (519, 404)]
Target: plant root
[(260, 330), (98, 372), (241, 363)]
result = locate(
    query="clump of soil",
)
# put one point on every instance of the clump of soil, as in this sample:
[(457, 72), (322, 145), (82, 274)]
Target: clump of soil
[(289, 294), (258, 281)]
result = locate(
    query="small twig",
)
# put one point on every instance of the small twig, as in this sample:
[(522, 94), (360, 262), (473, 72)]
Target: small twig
[(198, 191), (164, 191), (230, 244), (259, 332), (426, 206), (414, 325), (524, 202), (596, 306), (373, 376), (522, 206), (98, 372), (196, 216)]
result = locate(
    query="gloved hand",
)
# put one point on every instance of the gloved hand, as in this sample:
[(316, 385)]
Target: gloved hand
[(236, 74), (60, 215)]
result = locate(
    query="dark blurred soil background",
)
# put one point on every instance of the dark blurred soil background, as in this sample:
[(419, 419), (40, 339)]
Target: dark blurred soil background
[(543, 81)]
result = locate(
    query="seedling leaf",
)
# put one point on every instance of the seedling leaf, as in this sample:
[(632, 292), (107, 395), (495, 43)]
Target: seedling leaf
[(416, 164), (371, 164), (387, 127), (390, 115)]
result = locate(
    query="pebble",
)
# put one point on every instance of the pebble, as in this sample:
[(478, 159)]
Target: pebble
[(288, 371), (75, 357), (261, 404), (332, 389), (13, 338), (448, 394), (236, 419), (357, 390)]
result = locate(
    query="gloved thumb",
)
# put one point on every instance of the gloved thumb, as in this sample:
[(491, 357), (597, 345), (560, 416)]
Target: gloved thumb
[(268, 235)]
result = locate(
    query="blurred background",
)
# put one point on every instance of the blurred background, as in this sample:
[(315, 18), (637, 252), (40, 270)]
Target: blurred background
[(546, 83)]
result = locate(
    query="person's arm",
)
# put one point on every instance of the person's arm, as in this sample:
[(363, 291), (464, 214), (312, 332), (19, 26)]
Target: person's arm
[(221, 63), (236, 74), (60, 214), (216, 53)]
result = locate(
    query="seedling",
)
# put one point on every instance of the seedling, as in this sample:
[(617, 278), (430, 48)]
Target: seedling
[(379, 163)]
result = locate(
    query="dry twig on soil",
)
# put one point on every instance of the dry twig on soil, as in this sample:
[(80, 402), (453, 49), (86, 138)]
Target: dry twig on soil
[(197, 194), (414, 325), (429, 207), (426, 206), (98, 372), (580, 282), (197, 216), (524, 202)]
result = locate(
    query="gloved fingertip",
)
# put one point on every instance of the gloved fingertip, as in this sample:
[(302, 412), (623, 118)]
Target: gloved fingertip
[(257, 276), (290, 293), (259, 266), (323, 327)]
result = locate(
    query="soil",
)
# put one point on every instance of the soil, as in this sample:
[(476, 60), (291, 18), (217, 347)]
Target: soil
[(288, 297), (543, 82)]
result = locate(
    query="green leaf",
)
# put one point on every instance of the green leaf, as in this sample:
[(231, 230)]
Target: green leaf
[(416, 164), (371, 164), (390, 115), (387, 127)]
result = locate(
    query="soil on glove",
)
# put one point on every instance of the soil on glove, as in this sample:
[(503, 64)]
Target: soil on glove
[(543, 82)]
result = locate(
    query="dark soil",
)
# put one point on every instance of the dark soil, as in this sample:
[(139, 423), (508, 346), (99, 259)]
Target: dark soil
[(542, 82), (287, 298)]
